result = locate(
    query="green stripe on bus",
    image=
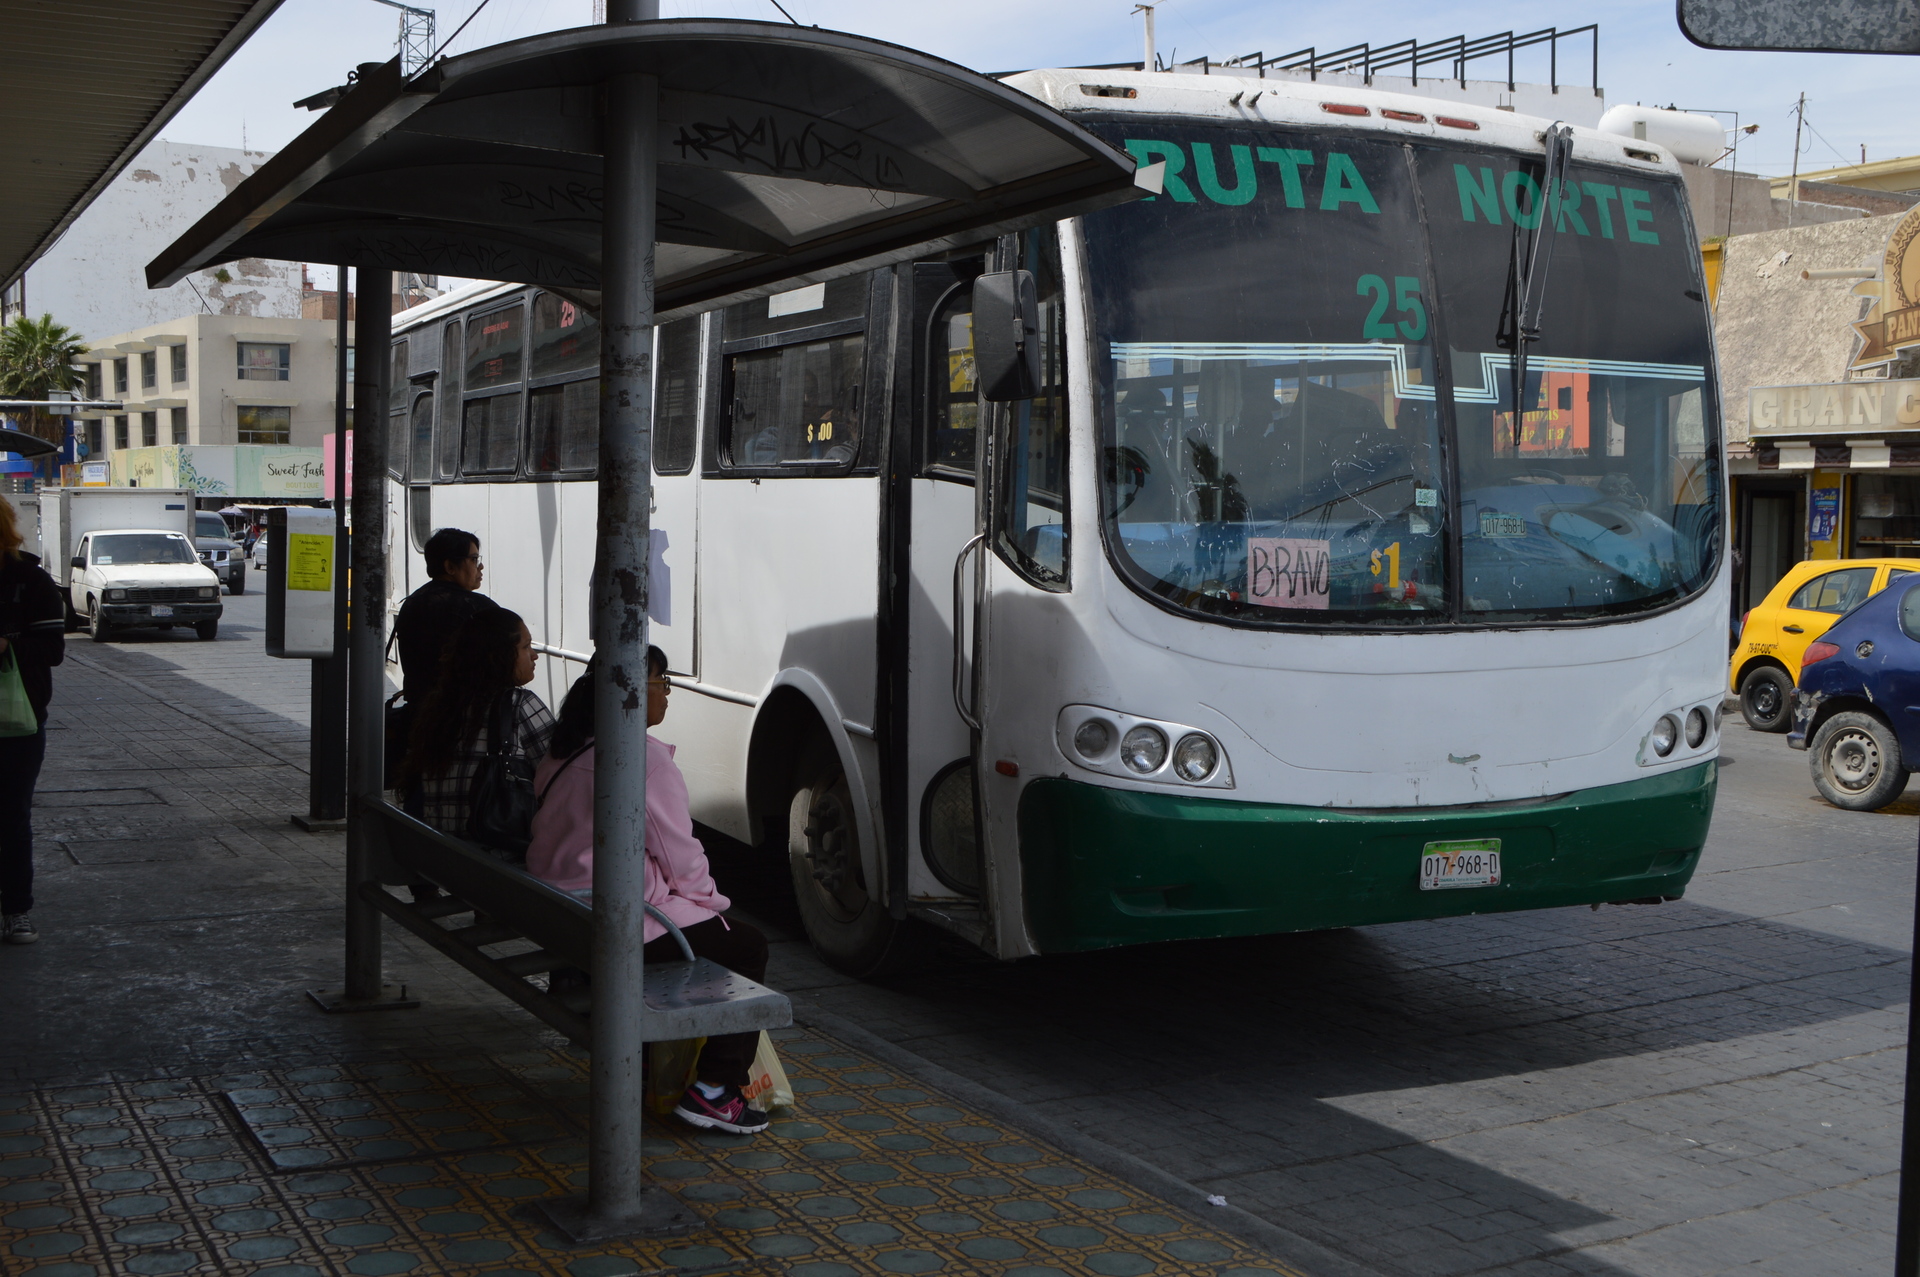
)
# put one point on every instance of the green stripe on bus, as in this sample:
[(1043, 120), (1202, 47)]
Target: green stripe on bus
[(1105, 867)]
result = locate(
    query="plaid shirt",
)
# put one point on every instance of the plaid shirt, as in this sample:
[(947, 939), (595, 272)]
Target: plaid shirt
[(446, 792)]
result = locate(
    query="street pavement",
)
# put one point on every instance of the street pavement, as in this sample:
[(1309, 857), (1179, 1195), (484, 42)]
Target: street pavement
[(1699, 1087)]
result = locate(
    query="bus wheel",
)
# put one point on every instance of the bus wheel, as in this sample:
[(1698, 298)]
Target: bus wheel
[(848, 924), (1766, 699), (1856, 762)]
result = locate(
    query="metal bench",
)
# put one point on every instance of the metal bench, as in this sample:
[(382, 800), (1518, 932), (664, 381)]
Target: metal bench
[(491, 903)]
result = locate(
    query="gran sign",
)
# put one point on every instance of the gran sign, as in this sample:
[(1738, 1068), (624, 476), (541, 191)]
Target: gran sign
[(1835, 408)]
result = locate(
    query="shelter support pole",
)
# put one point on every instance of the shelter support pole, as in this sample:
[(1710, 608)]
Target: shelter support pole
[(617, 1203), (327, 706), (365, 637)]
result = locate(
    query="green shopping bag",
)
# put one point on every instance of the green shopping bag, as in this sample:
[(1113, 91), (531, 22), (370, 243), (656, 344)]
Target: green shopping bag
[(16, 711)]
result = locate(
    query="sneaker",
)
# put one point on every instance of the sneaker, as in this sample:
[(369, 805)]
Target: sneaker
[(727, 1111), (17, 928)]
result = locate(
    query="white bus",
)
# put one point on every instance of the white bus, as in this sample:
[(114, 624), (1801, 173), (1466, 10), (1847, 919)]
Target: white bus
[(1262, 613)]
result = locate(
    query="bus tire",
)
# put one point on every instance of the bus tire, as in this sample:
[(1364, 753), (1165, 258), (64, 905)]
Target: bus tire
[(848, 924), (1856, 762), (1766, 699)]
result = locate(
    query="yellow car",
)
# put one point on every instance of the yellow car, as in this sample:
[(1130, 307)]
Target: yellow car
[(1798, 610)]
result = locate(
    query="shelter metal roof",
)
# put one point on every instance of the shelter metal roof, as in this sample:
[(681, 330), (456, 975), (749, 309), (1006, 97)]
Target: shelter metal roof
[(785, 153), (89, 83)]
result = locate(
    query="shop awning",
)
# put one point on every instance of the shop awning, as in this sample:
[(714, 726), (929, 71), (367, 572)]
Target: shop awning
[(89, 83), (786, 153)]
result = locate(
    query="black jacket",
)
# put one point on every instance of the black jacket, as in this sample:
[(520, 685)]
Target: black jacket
[(429, 618), (33, 620)]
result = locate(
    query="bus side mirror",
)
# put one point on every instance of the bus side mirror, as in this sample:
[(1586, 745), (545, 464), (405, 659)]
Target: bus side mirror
[(1006, 335)]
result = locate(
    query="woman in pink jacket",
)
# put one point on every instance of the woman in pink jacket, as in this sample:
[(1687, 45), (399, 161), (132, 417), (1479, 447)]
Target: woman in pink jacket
[(678, 882)]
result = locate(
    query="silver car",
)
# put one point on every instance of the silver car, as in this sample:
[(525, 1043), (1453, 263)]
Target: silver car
[(219, 551)]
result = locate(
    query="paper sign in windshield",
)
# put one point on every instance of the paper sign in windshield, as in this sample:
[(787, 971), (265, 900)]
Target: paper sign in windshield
[(1288, 572), (309, 562)]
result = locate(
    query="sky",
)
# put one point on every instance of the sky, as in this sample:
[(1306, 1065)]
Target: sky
[(1852, 99)]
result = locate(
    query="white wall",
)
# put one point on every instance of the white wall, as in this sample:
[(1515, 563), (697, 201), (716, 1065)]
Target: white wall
[(94, 279)]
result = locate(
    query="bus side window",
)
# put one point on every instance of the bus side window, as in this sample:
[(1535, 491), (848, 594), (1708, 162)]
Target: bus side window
[(420, 428), (796, 405), (563, 416), (953, 400), (676, 397), (490, 427), (1032, 484), (397, 388), (447, 423)]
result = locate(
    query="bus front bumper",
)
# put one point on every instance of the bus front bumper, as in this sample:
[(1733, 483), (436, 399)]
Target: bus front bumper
[(1105, 867)]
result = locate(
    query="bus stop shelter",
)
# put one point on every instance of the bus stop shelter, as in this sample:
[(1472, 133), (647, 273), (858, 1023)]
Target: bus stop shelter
[(650, 169)]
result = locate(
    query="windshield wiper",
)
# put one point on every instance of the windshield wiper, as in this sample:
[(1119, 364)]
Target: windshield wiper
[(1520, 316)]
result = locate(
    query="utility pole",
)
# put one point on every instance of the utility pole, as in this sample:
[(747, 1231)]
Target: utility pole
[(1147, 11), (416, 35), (1793, 183)]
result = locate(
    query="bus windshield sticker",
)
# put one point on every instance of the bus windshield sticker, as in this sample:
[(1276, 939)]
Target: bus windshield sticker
[(1288, 572)]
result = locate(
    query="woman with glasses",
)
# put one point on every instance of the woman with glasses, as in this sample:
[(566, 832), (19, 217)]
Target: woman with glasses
[(678, 882)]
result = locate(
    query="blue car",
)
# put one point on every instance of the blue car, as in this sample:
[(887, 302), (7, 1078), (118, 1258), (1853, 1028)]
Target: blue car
[(1857, 708)]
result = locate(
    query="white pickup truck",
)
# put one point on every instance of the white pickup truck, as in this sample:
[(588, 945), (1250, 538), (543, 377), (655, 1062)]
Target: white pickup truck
[(126, 559)]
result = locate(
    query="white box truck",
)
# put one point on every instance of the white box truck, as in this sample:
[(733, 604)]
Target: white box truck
[(125, 559)]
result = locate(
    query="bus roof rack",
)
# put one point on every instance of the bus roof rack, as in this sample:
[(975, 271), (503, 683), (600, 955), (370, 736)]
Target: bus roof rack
[(786, 154)]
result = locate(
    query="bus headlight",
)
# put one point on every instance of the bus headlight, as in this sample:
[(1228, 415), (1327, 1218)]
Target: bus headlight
[(1696, 727), (1664, 734), (1135, 748), (1094, 738), (1144, 749), (1195, 757)]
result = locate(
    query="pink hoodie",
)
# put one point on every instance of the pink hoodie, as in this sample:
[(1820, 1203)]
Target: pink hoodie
[(678, 881)]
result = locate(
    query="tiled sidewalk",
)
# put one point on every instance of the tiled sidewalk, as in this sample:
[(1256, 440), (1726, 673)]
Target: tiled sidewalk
[(431, 1166)]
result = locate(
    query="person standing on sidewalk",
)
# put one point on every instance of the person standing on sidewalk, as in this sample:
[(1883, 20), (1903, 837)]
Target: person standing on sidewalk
[(33, 628), (432, 614)]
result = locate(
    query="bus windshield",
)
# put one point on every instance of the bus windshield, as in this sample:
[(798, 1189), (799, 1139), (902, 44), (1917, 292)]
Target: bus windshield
[(1284, 443)]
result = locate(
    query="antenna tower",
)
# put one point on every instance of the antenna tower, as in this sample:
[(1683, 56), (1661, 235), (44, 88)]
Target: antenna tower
[(416, 35)]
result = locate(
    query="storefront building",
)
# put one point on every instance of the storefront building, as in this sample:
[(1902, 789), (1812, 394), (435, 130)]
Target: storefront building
[(1818, 330)]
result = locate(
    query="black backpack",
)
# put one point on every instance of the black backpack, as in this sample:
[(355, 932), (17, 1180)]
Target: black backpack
[(501, 803)]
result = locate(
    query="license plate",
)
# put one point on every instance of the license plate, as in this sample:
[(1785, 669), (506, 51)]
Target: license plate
[(1471, 862), (161, 609)]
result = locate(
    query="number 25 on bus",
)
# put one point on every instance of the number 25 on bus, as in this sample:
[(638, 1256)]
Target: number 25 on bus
[(1204, 566)]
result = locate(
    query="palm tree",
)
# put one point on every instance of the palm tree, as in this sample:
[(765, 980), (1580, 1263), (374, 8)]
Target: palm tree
[(36, 359)]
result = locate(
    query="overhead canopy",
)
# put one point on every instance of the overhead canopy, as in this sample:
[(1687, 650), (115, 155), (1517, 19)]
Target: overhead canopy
[(785, 153), (89, 83)]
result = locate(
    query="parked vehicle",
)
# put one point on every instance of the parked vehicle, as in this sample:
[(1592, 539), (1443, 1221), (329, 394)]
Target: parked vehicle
[(258, 552), (69, 515), (219, 551), (1857, 709), (140, 578), (1798, 610)]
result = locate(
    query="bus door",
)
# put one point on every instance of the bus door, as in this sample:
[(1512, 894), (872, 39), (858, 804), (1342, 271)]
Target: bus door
[(943, 518), (1023, 628)]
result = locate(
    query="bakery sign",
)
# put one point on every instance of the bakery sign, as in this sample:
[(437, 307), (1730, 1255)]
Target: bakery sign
[(1894, 322), (1846, 407)]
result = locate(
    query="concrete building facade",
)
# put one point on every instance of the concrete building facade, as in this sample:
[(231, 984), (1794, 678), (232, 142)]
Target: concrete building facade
[(212, 379), (94, 280), (1823, 437)]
